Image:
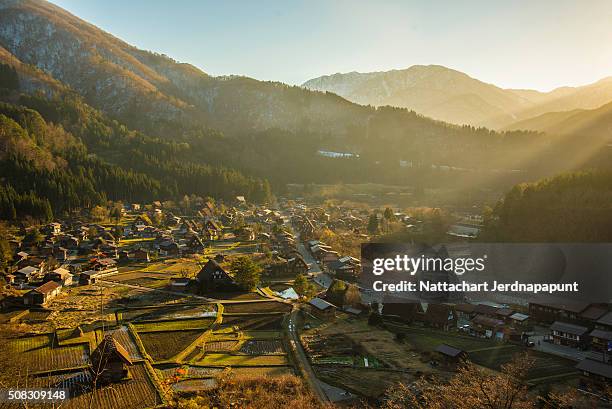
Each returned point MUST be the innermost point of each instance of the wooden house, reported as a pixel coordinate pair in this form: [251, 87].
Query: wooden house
[43, 294]
[141, 255]
[441, 316]
[321, 308]
[60, 275]
[563, 333]
[213, 277]
[595, 375]
[450, 355]
[26, 274]
[110, 362]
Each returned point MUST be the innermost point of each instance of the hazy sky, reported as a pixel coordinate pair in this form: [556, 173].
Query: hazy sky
[538, 44]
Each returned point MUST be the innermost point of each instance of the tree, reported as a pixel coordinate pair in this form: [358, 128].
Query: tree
[116, 214]
[470, 388]
[373, 224]
[99, 213]
[389, 215]
[302, 286]
[34, 236]
[247, 273]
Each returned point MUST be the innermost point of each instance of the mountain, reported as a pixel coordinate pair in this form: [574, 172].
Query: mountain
[188, 132]
[580, 122]
[431, 90]
[455, 97]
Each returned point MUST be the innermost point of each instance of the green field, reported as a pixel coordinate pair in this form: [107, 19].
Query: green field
[242, 360]
[164, 345]
[488, 353]
[173, 325]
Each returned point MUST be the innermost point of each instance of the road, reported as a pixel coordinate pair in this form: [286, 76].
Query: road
[300, 355]
[314, 267]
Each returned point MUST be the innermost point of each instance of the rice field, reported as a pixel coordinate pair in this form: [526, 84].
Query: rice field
[37, 354]
[222, 360]
[174, 325]
[257, 307]
[261, 347]
[163, 345]
[253, 322]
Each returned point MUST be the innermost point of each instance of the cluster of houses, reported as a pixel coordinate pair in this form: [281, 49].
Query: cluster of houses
[577, 324]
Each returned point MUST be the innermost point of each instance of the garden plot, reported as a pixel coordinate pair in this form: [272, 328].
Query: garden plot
[137, 393]
[223, 360]
[257, 307]
[253, 322]
[260, 371]
[239, 296]
[163, 345]
[123, 336]
[351, 379]
[261, 347]
[173, 325]
[546, 367]
[171, 311]
[194, 385]
[38, 355]
[220, 346]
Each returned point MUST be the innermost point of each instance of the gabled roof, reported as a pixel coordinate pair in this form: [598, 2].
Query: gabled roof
[27, 270]
[568, 328]
[321, 304]
[449, 350]
[108, 348]
[598, 333]
[210, 268]
[593, 313]
[485, 309]
[595, 367]
[47, 287]
[487, 321]
[517, 316]
[606, 319]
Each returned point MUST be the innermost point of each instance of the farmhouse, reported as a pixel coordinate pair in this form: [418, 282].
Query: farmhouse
[572, 335]
[60, 275]
[322, 308]
[449, 354]
[213, 276]
[25, 274]
[487, 327]
[110, 362]
[441, 316]
[601, 340]
[605, 322]
[595, 375]
[41, 295]
[545, 312]
[104, 265]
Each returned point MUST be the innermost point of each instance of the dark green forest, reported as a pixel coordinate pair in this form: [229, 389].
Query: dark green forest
[571, 207]
[58, 154]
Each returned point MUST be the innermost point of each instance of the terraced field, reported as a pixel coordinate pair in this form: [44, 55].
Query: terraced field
[168, 312]
[253, 322]
[163, 345]
[37, 354]
[173, 325]
[257, 307]
[260, 346]
[137, 393]
[222, 360]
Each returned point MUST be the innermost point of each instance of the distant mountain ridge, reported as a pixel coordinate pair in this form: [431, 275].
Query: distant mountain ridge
[453, 96]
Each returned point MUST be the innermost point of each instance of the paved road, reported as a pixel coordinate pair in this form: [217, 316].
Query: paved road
[303, 363]
[314, 267]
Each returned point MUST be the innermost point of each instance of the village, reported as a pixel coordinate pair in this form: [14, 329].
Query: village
[136, 304]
